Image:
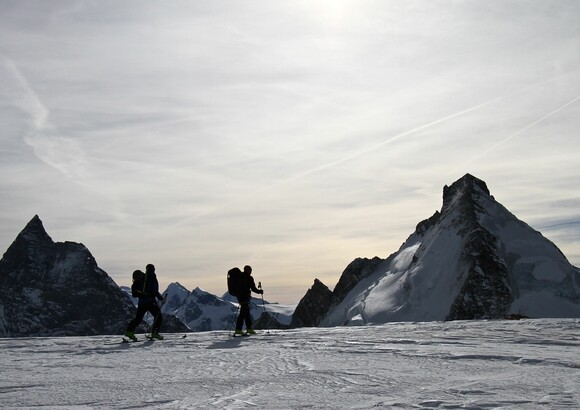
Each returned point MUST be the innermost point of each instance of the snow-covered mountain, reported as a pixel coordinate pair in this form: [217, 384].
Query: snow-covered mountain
[57, 289]
[202, 311]
[472, 260]
[176, 297]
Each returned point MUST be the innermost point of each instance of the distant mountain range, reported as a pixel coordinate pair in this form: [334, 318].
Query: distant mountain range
[471, 260]
[203, 311]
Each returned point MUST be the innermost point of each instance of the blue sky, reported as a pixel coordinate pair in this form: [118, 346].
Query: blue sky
[291, 136]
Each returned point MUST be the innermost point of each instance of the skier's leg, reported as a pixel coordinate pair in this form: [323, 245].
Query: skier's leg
[240, 321]
[247, 316]
[141, 310]
[158, 318]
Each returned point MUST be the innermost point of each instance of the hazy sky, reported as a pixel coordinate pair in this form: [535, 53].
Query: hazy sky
[293, 136]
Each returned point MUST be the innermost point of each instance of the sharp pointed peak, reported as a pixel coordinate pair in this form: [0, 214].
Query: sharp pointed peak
[35, 221]
[34, 230]
[468, 181]
[464, 187]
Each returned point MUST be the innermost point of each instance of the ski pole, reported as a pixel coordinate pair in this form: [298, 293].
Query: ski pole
[263, 303]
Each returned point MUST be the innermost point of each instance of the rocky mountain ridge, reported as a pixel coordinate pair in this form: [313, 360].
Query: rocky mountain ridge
[52, 288]
[57, 289]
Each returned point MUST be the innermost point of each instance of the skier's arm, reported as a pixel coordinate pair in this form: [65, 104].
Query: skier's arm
[155, 290]
[253, 286]
[157, 294]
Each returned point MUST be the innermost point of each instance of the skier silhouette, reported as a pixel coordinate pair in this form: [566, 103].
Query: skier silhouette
[147, 290]
[246, 287]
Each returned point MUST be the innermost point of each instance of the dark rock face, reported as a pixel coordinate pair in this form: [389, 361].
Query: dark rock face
[319, 299]
[423, 226]
[486, 293]
[313, 306]
[171, 324]
[357, 270]
[465, 191]
[268, 321]
[57, 289]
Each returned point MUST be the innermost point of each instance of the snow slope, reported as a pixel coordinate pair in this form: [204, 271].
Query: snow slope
[461, 364]
[538, 267]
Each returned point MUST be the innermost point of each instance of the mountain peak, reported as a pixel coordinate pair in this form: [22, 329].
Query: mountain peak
[466, 188]
[176, 287]
[34, 231]
[29, 242]
[49, 288]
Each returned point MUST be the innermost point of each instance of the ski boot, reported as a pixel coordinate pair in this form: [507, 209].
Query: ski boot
[156, 335]
[131, 335]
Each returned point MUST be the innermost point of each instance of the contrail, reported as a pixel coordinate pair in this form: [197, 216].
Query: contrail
[387, 141]
[394, 138]
[347, 157]
[415, 130]
[519, 132]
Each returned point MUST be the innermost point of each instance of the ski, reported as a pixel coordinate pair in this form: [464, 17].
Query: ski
[149, 339]
[245, 334]
[241, 335]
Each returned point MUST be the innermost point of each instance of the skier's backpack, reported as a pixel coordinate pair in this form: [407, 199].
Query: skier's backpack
[234, 279]
[138, 283]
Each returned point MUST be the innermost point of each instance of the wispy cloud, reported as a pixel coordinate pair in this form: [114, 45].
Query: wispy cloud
[63, 153]
[521, 131]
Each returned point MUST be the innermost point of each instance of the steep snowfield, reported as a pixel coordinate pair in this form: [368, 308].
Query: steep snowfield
[471, 364]
[401, 290]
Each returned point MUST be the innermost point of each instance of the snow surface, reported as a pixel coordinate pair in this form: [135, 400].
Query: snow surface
[462, 364]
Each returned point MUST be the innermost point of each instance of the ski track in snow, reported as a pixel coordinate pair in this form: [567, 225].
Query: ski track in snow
[473, 364]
